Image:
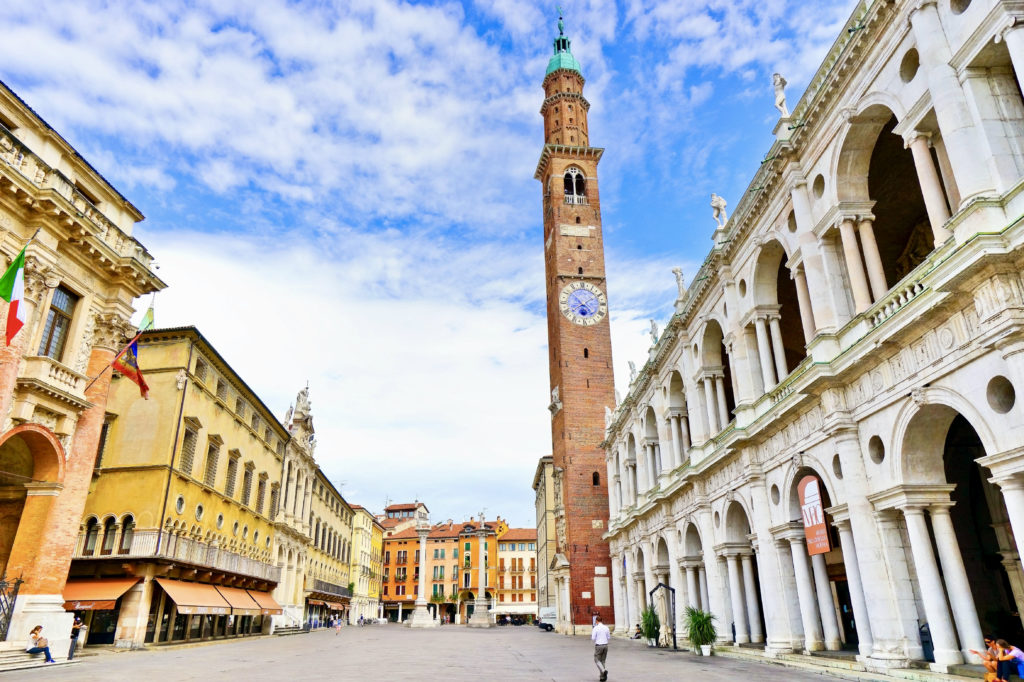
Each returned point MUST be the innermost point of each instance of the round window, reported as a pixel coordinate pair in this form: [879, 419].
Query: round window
[775, 494]
[266, 541]
[819, 186]
[909, 66]
[199, 512]
[959, 6]
[234, 528]
[791, 222]
[220, 521]
[718, 520]
[179, 504]
[1000, 394]
[876, 450]
[245, 532]
[743, 287]
[837, 467]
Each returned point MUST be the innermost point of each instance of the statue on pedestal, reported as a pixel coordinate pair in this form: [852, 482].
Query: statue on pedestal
[654, 333]
[718, 208]
[680, 282]
[780, 94]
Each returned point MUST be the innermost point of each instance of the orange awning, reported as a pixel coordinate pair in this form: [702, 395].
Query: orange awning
[336, 606]
[315, 602]
[241, 603]
[195, 597]
[268, 605]
[95, 594]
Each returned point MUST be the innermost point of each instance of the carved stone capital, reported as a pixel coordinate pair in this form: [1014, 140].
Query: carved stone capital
[111, 331]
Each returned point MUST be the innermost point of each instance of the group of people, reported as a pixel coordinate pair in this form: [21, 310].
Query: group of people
[1001, 660]
[38, 644]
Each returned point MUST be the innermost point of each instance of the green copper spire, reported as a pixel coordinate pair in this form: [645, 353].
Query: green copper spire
[562, 58]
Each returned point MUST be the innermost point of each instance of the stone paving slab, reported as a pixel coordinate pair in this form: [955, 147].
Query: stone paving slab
[393, 653]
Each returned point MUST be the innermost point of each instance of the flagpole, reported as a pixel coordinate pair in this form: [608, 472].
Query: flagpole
[109, 366]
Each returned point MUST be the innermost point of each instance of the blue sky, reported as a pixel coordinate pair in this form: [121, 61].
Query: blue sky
[344, 193]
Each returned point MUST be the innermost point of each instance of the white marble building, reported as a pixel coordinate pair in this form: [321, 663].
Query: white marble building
[860, 318]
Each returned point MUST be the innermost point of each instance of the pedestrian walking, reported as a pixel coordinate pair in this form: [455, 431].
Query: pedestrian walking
[337, 626]
[76, 629]
[600, 636]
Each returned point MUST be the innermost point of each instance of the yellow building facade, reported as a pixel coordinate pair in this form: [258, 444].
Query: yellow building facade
[180, 508]
[328, 584]
[365, 565]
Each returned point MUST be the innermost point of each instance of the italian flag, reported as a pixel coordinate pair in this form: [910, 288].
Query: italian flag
[12, 290]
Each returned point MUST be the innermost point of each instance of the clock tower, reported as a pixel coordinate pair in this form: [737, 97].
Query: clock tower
[579, 341]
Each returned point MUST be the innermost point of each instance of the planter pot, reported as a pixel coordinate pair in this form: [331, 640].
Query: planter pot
[705, 649]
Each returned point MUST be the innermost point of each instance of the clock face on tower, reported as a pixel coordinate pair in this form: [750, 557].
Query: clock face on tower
[583, 303]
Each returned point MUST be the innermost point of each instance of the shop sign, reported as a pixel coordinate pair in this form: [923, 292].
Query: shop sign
[813, 512]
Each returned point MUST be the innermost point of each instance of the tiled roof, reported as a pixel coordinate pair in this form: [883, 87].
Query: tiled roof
[523, 534]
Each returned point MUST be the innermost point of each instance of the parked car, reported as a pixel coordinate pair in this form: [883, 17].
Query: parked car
[547, 617]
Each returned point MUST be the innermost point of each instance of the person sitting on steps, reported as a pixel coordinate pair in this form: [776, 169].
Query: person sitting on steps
[37, 644]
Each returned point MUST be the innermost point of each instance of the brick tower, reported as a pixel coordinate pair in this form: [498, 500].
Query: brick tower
[582, 383]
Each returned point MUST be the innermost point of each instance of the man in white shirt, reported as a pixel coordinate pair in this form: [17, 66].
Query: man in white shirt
[600, 636]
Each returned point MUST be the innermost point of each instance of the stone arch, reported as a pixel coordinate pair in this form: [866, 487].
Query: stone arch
[921, 427]
[795, 472]
[676, 391]
[737, 522]
[775, 294]
[47, 454]
[714, 356]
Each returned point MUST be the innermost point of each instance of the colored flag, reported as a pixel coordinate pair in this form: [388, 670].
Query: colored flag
[127, 363]
[147, 320]
[12, 290]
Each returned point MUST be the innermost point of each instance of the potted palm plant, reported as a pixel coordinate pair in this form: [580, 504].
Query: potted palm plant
[700, 628]
[650, 625]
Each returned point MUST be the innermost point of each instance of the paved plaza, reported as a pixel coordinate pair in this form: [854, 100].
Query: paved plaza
[392, 653]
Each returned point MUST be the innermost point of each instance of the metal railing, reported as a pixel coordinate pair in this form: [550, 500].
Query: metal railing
[147, 544]
[8, 595]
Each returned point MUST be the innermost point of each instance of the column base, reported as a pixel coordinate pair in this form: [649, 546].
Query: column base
[47, 610]
[480, 620]
[421, 618]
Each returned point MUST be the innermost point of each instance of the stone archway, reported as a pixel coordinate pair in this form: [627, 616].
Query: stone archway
[717, 378]
[31, 470]
[744, 586]
[778, 324]
[968, 569]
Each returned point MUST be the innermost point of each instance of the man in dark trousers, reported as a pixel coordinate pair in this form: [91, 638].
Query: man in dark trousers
[601, 636]
[76, 628]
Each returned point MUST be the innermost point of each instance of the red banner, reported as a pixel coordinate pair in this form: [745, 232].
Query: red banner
[813, 511]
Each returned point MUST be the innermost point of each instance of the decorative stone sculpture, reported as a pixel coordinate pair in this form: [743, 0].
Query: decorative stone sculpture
[618, 398]
[780, 94]
[607, 416]
[654, 332]
[718, 207]
[632, 371]
[302, 405]
[680, 281]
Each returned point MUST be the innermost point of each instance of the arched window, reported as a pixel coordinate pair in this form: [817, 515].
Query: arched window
[575, 186]
[597, 478]
[586, 353]
[127, 531]
[109, 531]
[92, 532]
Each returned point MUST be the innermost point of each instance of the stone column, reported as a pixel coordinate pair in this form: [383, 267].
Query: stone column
[640, 588]
[1013, 497]
[723, 409]
[860, 609]
[820, 289]
[931, 185]
[480, 618]
[684, 435]
[826, 607]
[803, 298]
[876, 273]
[710, 403]
[739, 612]
[652, 475]
[750, 591]
[1014, 38]
[854, 266]
[805, 593]
[957, 586]
[616, 495]
[777, 347]
[134, 615]
[692, 590]
[932, 592]
[959, 132]
[421, 617]
[296, 510]
[673, 427]
[764, 353]
[702, 579]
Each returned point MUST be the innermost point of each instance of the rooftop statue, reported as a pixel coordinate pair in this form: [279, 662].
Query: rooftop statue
[780, 94]
[718, 205]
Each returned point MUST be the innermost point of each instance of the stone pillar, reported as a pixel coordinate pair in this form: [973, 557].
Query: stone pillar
[764, 353]
[652, 464]
[821, 291]
[739, 612]
[692, 590]
[723, 410]
[957, 586]
[876, 273]
[854, 266]
[805, 593]
[803, 298]
[778, 350]
[702, 579]
[710, 403]
[932, 591]
[134, 615]
[1014, 38]
[826, 607]
[677, 446]
[750, 591]
[640, 590]
[959, 133]
[480, 618]
[931, 186]
[684, 435]
[860, 609]
[421, 617]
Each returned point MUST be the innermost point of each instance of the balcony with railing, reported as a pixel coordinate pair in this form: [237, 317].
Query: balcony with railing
[46, 375]
[578, 199]
[327, 588]
[152, 544]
